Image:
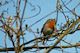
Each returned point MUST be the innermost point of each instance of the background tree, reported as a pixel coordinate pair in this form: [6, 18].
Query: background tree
[22, 20]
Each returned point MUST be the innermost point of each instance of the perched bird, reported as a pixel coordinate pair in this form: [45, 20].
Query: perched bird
[48, 28]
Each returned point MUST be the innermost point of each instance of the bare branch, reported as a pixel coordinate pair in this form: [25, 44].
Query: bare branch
[40, 47]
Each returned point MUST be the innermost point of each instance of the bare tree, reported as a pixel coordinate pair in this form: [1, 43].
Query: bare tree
[14, 27]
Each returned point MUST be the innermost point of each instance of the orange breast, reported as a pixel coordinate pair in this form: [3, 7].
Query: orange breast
[51, 24]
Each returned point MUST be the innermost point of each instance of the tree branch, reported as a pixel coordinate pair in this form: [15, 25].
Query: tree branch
[40, 47]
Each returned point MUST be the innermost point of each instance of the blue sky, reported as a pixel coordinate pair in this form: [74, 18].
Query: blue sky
[47, 6]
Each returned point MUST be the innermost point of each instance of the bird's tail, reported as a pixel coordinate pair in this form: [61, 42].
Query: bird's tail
[43, 40]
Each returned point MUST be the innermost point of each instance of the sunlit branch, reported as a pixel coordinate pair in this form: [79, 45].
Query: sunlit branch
[40, 47]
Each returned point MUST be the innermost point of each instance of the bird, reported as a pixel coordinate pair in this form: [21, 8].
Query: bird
[48, 28]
